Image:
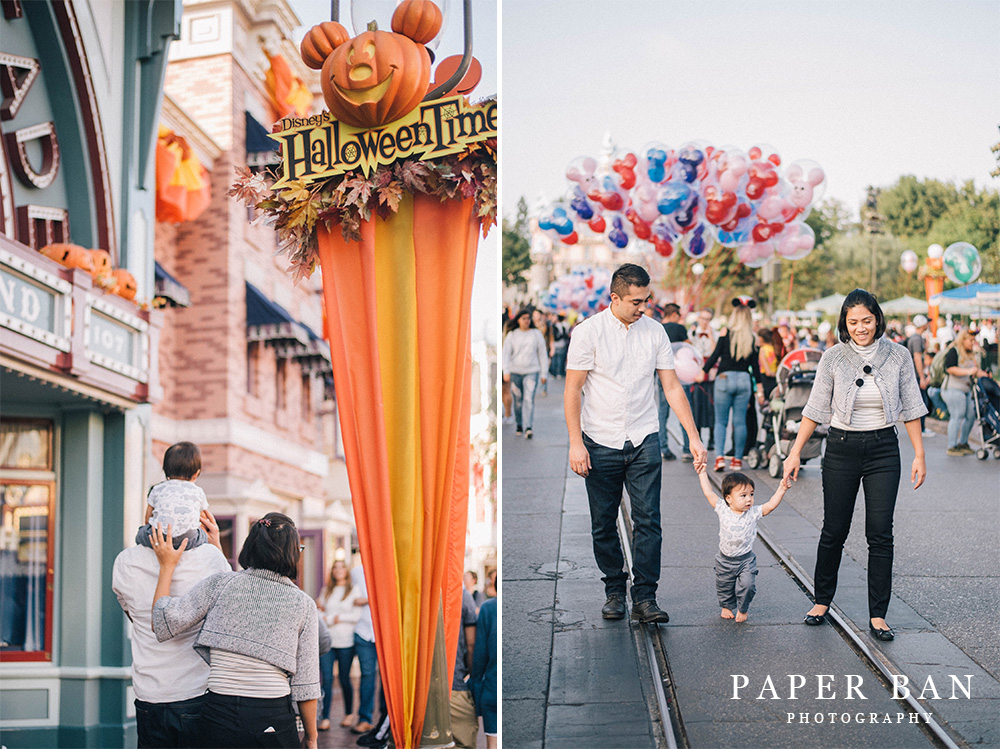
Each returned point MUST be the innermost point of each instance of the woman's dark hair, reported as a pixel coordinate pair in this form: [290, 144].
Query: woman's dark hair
[860, 297]
[512, 323]
[273, 544]
[182, 461]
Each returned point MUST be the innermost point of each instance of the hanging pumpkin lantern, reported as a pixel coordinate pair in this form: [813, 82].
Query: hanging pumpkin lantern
[420, 20]
[101, 264]
[125, 285]
[320, 42]
[375, 78]
[70, 255]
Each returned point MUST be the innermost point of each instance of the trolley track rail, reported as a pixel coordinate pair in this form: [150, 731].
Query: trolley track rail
[670, 717]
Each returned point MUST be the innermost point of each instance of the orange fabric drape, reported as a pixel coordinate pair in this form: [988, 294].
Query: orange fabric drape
[286, 92]
[398, 306]
[183, 185]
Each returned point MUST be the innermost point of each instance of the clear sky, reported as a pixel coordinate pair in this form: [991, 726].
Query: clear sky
[485, 291]
[871, 90]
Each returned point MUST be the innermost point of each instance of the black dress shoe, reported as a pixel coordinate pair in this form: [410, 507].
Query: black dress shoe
[614, 608]
[649, 612]
[814, 619]
[885, 635]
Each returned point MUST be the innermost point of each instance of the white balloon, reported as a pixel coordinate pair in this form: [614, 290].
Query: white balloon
[908, 260]
[935, 251]
[697, 269]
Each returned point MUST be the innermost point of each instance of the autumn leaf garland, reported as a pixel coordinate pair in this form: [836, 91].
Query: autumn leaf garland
[348, 199]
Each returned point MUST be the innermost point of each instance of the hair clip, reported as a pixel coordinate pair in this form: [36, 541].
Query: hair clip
[265, 522]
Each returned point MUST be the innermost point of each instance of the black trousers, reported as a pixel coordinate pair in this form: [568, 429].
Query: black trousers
[167, 724]
[241, 722]
[853, 460]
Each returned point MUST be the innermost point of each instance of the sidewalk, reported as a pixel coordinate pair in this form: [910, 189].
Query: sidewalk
[572, 679]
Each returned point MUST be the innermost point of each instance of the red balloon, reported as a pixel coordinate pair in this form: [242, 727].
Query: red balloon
[719, 209]
[571, 238]
[589, 282]
[626, 169]
[640, 227]
[742, 211]
[662, 246]
[597, 224]
[612, 201]
[764, 231]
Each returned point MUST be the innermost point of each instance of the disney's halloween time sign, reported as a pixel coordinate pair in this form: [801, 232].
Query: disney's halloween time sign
[320, 147]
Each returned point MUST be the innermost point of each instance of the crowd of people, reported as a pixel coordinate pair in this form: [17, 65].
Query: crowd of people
[742, 353]
[224, 658]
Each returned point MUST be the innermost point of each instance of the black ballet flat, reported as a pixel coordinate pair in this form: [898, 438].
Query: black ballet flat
[885, 635]
[814, 619]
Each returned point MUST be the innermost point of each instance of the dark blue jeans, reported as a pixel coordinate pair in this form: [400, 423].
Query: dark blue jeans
[368, 660]
[637, 469]
[167, 724]
[343, 657]
[853, 460]
[239, 722]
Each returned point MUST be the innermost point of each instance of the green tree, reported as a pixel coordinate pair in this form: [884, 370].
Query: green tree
[516, 247]
[911, 207]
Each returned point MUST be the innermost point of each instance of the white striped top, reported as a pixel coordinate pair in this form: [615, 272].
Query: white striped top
[244, 676]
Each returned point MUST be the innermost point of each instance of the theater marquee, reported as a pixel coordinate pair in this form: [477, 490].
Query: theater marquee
[320, 147]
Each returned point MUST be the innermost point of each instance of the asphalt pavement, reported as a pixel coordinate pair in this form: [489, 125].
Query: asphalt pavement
[572, 679]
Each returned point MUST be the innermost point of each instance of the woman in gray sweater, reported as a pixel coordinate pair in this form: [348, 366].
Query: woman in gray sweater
[258, 634]
[863, 386]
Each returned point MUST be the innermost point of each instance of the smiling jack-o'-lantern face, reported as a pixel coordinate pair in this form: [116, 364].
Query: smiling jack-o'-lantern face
[375, 78]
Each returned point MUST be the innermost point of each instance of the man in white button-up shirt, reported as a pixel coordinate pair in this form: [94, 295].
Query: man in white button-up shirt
[611, 414]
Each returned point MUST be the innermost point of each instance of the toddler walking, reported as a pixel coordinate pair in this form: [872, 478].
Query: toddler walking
[736, 563]
[178, 501]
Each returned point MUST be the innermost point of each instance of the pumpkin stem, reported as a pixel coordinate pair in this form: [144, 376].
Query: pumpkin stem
[373, 25]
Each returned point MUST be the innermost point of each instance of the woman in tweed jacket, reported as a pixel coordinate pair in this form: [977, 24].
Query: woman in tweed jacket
[863, 386]
[259, 634]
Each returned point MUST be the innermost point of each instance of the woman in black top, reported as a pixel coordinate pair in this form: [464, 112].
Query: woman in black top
[736, 355]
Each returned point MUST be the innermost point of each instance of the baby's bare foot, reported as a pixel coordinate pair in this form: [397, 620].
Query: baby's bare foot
[741, 616]
[726, 614]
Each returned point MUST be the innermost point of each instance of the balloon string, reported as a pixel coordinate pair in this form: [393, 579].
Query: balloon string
[791, 280]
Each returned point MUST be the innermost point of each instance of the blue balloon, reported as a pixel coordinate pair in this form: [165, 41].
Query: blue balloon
[685, 214]
[581, 205]
[617, 234]
[655, 159]
[696, 248]
[690, 159]
[672, 196]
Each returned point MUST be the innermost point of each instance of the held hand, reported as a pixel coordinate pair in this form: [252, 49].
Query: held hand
[579, 460]
[700, 377]
[699, 453]
[791, 468]
[506, 378]
[163, 547]
[918, 472]
[211, 528]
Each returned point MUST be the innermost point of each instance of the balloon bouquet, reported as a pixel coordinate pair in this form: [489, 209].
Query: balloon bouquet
[584, 289]
[692, 197]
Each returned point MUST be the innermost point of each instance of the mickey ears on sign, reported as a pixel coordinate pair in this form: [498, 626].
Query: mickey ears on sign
[745, 301]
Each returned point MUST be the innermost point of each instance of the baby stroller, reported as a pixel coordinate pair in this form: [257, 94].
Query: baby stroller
[782, 415]
[986, 394]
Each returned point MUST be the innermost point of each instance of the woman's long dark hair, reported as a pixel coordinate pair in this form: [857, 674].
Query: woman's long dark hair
[512, 323]
[273, 544]
[862, 298]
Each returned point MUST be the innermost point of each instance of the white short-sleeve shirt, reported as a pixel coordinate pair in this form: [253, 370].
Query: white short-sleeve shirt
[619, 402]
[737, 530]
[177, 503]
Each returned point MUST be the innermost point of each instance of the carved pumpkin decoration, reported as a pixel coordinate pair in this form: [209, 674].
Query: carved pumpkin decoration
[125, 285]
[320, 42]
[375, 78]
[70, 255]
[101, 260]
[420, 20]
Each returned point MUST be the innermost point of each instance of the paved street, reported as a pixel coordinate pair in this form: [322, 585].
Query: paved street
[572, 679]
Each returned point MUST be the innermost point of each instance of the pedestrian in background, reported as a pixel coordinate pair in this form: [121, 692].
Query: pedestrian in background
[464, 723]
[525, 361]
[364, 646]
[483, 676]
[961, 364]
[863, 386]
[340, 615]
[676, 333]
[260, 638]
[736, 356]
[916, 345]
[701, 394]
[559, 345]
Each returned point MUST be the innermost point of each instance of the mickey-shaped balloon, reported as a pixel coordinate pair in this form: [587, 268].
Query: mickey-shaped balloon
[378, 76]
[625, 168]
[803, 184]
[689, 160]
[580, 204]
[617, 234]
